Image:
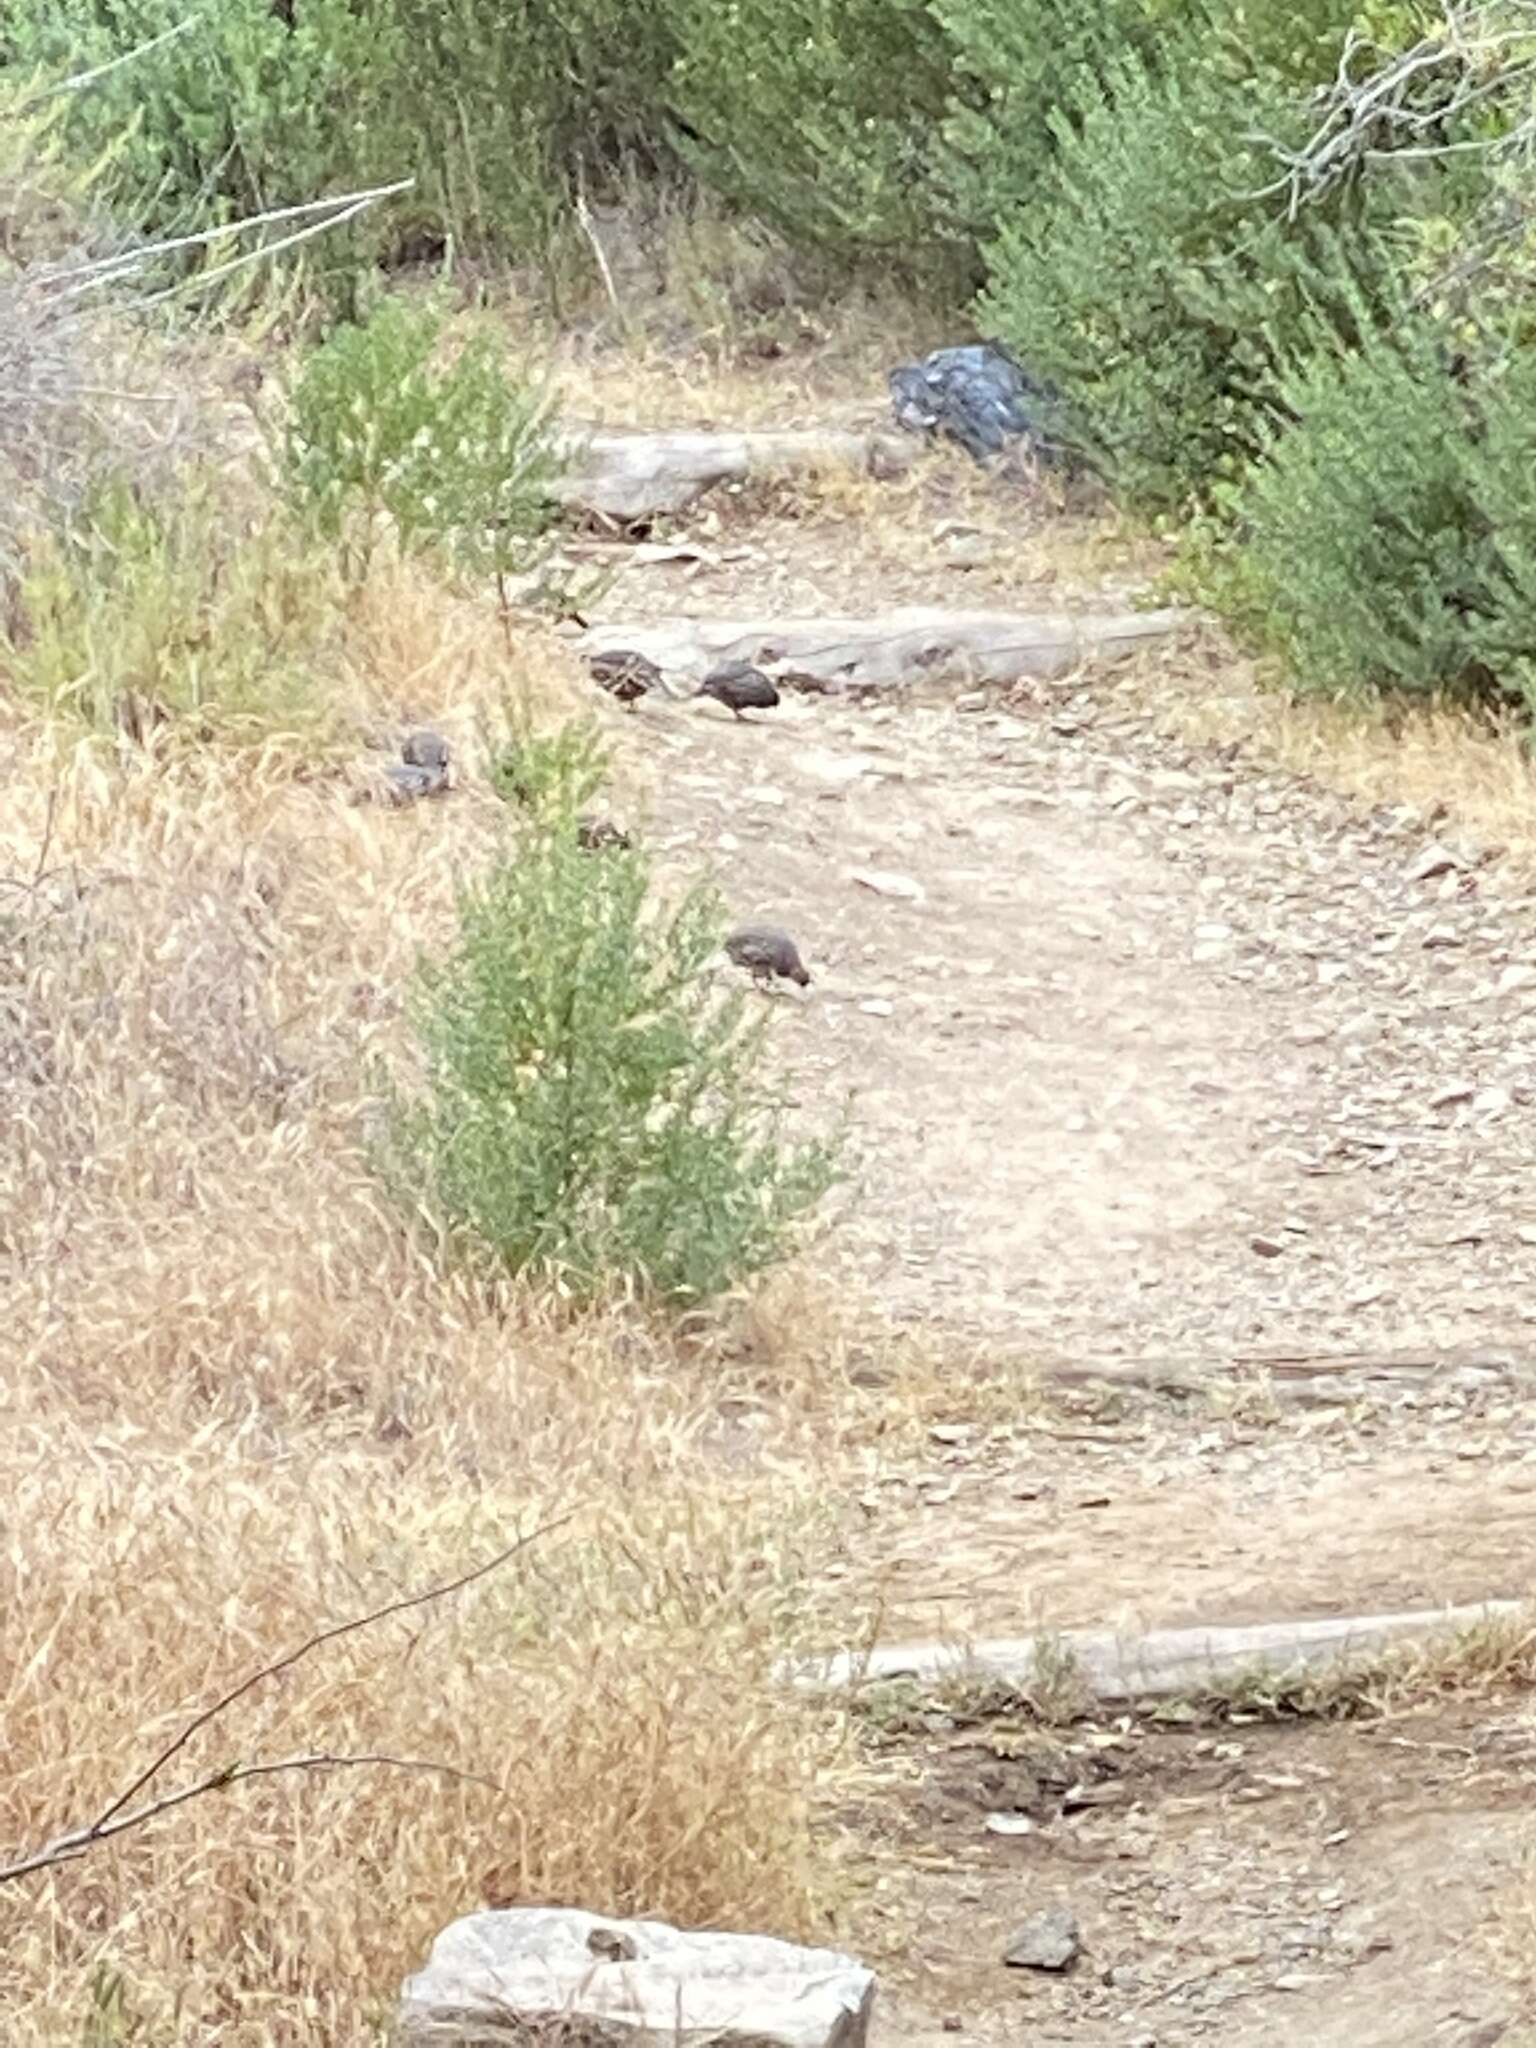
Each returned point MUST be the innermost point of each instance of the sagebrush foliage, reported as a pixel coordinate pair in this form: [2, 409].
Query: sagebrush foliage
[385, 435]
[822, 117]
[593, 1110]
[1388, 540]
[1154, 289]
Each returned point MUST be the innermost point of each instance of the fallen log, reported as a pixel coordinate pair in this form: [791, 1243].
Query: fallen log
[922, 643]
[627, 475]
[1306, 1379]
[1117, 1668]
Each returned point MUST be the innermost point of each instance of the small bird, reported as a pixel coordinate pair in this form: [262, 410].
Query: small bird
[601, 835]
[767, 951]
[740, 687]
[422, 769]
[625, 674]
[612, 1945]
[425, 749]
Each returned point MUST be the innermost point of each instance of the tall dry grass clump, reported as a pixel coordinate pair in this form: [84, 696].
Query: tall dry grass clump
[239, 1403]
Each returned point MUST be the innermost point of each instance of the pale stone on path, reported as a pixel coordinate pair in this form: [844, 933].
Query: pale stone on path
[550, 1973]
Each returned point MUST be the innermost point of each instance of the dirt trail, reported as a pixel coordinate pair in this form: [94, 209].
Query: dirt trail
[1156, 1053]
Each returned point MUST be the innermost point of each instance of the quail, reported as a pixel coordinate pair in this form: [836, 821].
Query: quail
[425, 749]
[612, 1945]
[601, 835]
[767, 951]
[422, 769]
[625, 674]
[740, 687]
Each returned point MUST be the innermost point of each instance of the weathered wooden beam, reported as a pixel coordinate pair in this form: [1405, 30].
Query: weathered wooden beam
[919, 644]
[1117, 1667]
[630, 475]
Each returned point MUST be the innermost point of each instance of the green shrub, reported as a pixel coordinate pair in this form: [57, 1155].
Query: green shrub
[1014, 66]
[593, 1111]
[1153, 289]
[455, 456]
[820, 117]
[180, 610]
[545, 774]
[1388, 540]
[495, 111]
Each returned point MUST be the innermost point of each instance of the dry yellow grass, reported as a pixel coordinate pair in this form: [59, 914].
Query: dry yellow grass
[240, 1403]
[1447, 762]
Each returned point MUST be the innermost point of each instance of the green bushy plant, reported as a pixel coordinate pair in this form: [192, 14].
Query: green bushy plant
[593, 1111]
[820, 117]
[1388, 541]
[454, 455]
[1153, 289]
[548, 774]
[1014, 65]
[496, 112]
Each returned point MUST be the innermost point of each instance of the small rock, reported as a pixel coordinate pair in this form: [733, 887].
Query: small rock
[971, 700]
[1266, 1247]
[883, 883]
[1434, 860]
[1048, 1940]
[1450, 1096]
[1516, 977]
[1008, 1824]
[952, 2023]
[877, 1006]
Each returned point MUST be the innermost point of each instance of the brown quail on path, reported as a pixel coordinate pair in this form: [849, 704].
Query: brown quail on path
[625, 674]
[767, 951]
[739, 687]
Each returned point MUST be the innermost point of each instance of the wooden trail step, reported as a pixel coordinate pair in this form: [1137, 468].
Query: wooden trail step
[922, 643]
[1120, 1667]
[1295, 1378]
[629, 475]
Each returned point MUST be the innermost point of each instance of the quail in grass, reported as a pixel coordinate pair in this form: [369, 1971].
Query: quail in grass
[625, 674]
[601, 835]
[422, 769]
[767, 952]
[740, 687]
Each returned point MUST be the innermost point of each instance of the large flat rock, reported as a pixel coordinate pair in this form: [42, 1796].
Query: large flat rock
[545, 1973]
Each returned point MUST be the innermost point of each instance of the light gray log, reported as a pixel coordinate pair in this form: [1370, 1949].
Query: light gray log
[907, 646]
[1119, 1667]
[628, 475]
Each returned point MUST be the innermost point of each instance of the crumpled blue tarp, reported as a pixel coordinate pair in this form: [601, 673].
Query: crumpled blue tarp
[976, 394]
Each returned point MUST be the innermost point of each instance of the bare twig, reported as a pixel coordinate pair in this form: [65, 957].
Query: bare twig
[584, 220]
[326, 1635]
[80, 80]
[120, 1814]
[70, 1847]
[340, 206]
[1482, 52]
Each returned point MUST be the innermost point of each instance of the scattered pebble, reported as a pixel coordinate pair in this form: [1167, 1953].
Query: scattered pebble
[1048, 1940]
